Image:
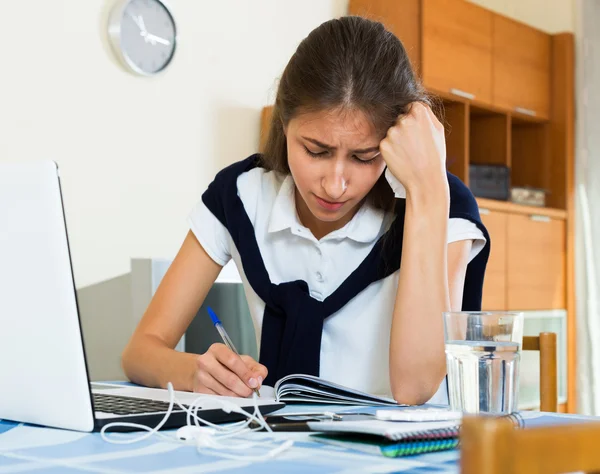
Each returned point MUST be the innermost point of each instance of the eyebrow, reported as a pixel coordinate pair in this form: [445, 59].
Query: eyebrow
[329, 147]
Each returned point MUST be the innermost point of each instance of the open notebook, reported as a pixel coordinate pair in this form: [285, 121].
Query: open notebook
[299, 388]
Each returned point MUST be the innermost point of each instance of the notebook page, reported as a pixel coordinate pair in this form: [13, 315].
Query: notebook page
[332, 390]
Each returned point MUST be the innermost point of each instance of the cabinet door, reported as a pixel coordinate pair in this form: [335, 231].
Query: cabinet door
[521, 67]
[494, 284]
[457, 48]
[536, 262]
[265, 124]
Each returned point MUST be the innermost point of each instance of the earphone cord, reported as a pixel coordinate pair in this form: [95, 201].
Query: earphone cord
[205, 440]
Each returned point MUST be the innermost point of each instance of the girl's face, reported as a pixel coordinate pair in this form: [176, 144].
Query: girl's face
[334, 160]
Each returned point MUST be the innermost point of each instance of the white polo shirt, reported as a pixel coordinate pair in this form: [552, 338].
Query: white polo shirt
[356, 340]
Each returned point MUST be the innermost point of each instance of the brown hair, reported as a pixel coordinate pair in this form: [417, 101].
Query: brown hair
[345, 63]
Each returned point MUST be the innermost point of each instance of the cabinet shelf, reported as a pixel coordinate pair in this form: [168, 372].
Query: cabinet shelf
[514, 208]
[487, 107]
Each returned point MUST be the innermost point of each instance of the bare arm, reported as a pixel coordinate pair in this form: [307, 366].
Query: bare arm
[431, 281]
[150, 359]
[432, 272]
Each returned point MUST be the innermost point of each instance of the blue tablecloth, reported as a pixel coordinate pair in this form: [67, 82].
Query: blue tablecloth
[25, 448]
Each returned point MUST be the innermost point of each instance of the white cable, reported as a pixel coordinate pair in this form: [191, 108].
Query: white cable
[209, 436]
[150, 431]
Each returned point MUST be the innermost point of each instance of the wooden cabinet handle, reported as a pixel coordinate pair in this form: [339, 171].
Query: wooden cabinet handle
[538, 218]
[466, 95]
[523, 110]
[483, 211]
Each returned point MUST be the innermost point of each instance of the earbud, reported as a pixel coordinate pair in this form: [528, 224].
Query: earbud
[205, 441]
[191, 432]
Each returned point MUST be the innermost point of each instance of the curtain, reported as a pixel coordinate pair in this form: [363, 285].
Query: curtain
[587, 202]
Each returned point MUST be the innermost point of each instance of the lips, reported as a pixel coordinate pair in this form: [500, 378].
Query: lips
[328, 205]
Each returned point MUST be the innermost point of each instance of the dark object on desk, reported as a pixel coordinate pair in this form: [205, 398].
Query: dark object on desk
[490, 181]
[528, 196]
[300, 422]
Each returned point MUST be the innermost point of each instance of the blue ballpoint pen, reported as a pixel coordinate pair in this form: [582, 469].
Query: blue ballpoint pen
[219, 327]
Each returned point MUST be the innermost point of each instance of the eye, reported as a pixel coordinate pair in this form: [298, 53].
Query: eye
[365, 161]
[314, 153]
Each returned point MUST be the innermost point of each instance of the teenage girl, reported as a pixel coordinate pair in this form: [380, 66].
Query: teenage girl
[349, 235]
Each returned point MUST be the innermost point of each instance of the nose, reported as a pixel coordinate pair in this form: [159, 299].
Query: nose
[334, 181]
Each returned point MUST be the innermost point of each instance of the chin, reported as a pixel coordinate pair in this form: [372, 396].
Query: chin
[325, 216]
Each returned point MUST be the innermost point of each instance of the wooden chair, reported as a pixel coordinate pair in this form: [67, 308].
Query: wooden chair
[546, 344]
[495, 446]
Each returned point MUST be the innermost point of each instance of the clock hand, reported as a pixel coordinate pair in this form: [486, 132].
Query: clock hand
[141, 18]
[156, 39]
[138, 21]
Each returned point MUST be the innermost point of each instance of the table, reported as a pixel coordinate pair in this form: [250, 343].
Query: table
[25, 448]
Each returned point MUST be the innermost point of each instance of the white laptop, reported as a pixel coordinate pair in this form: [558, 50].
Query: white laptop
[43, 370]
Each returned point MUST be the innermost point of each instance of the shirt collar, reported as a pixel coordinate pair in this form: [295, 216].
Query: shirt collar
[283, 214]
[364, 227]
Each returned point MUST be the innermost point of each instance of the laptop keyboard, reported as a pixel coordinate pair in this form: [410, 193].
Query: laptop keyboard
[128, 405]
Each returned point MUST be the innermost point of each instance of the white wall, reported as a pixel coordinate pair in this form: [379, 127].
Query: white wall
[136, 153]
[552, 16]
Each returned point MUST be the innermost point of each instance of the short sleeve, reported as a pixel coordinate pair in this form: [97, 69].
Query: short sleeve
[397, 186]
[212, 235]
[463, 229]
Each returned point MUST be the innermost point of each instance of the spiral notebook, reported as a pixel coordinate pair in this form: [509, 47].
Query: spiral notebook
[389, 438]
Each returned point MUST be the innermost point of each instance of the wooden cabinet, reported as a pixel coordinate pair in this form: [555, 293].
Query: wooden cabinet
[536, 263]
[456, 54]
[463, 50]
[527, 265]
[265, 124]
[521, 67]
[494, 285]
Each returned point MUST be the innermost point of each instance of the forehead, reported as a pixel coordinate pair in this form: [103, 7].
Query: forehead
[332, 127]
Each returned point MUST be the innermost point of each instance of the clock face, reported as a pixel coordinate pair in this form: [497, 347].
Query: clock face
[147, 36]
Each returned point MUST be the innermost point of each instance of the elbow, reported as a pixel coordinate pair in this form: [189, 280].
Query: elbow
[416, 388]
[131, 358]
[126, 360]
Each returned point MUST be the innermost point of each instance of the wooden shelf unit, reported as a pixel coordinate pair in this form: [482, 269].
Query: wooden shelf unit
[508, 95]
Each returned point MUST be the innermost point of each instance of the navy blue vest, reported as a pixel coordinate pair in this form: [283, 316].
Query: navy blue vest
[293, 320]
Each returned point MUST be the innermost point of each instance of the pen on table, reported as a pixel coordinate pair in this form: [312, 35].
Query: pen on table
[219, 327]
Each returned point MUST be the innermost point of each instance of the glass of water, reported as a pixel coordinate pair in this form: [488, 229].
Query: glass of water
[483, 351]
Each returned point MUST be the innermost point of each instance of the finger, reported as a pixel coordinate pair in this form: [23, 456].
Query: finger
[259, 370]
[209, 364]
[230, 380]
[432, 116]
[199, 386]
[234, 363]
[232, 372]
[210, 384]
[437, 124]
[385, 147]
[413, 112]
[417, 108]
[205, 391]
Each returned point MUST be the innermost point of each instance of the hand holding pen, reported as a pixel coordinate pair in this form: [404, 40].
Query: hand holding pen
[222, 371]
